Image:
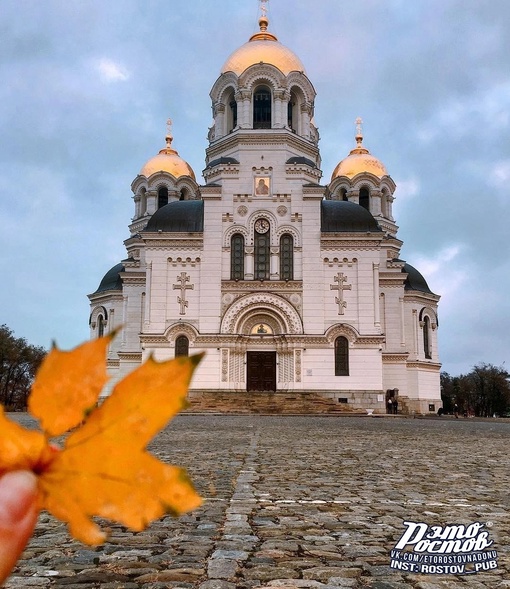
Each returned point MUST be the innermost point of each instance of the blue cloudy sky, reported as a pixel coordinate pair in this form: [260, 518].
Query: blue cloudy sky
[87, 86]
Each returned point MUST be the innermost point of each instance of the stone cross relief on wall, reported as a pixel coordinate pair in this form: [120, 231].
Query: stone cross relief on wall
[340, 279]
[183, 279]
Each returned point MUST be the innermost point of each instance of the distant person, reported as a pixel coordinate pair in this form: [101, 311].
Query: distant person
[456, 411]
[395, 406]
[389, 406]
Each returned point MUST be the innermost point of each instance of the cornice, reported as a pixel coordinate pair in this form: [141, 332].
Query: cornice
[420, 298]
[423, 365]
[105, 296]
[139, 224]
[241, 138]
[394, 358]
[130, 356]
[349, 243]
[135, 281]
[290, 341]
[386, 283]
[177, 242]
[180, 236]
[248, 286]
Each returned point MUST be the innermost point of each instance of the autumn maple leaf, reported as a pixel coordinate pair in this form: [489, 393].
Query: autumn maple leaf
[103, 468]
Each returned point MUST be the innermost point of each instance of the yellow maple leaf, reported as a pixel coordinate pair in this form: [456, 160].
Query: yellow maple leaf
[103, 468]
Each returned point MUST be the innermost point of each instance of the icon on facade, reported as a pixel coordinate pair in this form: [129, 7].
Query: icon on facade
[261, 329]
[262, 185]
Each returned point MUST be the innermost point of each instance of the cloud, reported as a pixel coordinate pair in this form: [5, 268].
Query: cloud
[407, 189]
[500, 174]
[488, 109]
[110, 71]
[444, 272]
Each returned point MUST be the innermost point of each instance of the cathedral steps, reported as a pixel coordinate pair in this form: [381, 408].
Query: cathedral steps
[278, 403]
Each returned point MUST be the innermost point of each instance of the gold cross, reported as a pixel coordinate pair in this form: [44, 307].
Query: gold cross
[359, 123]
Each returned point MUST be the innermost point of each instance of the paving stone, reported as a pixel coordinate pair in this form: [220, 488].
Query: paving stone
[222, 569]
[298, 583]
[296, 502]
[230, 554]
[15, 582]
[217, 584]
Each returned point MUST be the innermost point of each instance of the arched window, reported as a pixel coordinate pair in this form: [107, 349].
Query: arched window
[286, 257]
[262, 108]
[364, 198]
[290, 116]
[384, 204]
[262, 254]
[143, 203]
[341, 356]
[426, 337]
[232, 115]
[181, 346]
[162, 196]
[343, 194]
[100, 326]
[237, 257]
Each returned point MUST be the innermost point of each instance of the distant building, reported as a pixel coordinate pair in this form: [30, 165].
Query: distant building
[290, 286]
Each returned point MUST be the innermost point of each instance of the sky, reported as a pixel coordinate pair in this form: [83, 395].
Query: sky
[87, 86]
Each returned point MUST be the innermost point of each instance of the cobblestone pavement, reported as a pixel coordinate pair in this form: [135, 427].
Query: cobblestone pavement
[298, 502]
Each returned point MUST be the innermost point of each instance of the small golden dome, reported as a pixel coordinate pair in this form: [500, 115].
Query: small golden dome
[167, 160]
[359, 160]
[263, 47]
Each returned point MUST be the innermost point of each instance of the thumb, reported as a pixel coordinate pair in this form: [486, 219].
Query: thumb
[18, 514]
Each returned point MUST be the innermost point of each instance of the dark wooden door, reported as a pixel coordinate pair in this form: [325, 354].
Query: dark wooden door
[261, 371]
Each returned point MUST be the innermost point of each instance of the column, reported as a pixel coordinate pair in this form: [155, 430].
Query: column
[219, 119]
[248, 272]
[375, 197]
[148, 282]
[377, 309]
[274, 263]
[305, 120]
[278, 118]
[402, 322]
[243, 115]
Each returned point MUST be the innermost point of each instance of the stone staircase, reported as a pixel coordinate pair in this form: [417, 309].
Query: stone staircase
[278, 403]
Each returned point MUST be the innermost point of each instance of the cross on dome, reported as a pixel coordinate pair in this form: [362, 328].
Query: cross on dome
[263, 20]
[359, 131]
[263, 8]
[169, 136]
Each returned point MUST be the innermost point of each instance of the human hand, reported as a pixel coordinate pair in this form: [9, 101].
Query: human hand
[18, 514]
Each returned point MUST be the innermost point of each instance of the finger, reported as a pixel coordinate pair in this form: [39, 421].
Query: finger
[18, 514]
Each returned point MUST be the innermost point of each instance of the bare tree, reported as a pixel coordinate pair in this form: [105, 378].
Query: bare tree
[18, 364]
[485, 391]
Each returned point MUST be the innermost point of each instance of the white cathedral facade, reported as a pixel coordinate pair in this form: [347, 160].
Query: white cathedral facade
[290, 286]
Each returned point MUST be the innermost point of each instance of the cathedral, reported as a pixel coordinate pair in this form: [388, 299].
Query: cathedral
[293, 288]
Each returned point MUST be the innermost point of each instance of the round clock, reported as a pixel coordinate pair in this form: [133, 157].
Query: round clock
[262, 226]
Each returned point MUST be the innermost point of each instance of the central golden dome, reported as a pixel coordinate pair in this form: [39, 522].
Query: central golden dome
[263, 47]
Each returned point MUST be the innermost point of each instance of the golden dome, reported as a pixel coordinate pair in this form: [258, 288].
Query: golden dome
[167, 160]
[263, 47]
[358, 161]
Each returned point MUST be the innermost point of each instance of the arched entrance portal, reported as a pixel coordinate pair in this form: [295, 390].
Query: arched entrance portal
[265, 360]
